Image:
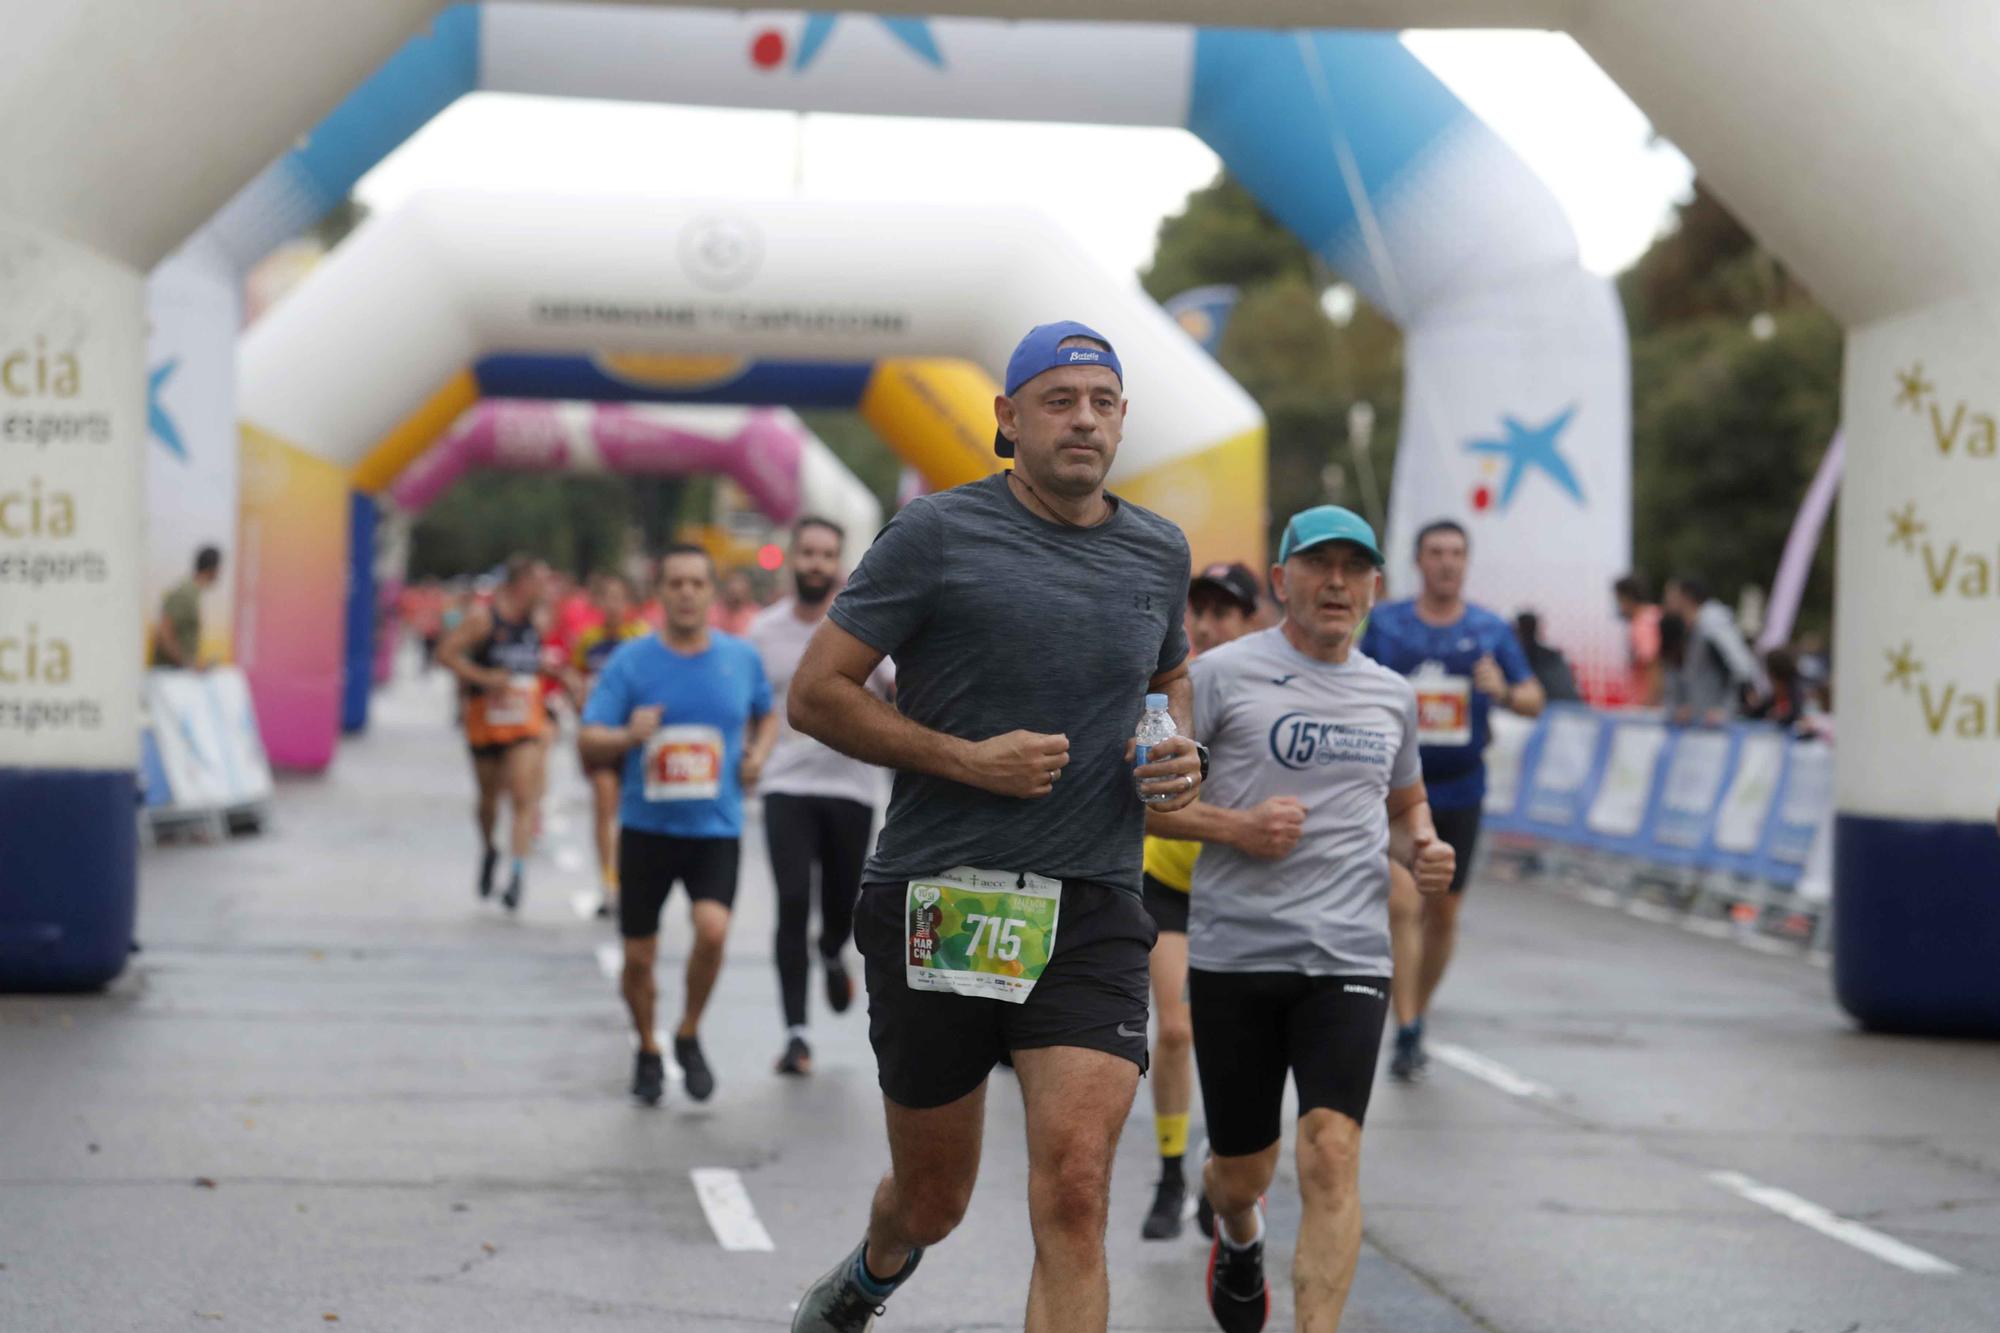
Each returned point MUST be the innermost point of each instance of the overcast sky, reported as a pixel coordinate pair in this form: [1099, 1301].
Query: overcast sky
[1539, 91]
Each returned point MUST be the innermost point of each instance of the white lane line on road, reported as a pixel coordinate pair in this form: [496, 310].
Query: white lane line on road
[731, 1215]
[1809, 1214]
[584, 904]
[610, 961]
[1491, 1071]
[569, 860]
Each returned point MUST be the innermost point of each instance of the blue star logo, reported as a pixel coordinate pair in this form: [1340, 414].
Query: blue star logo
[1527, 447]
[157, 421]
[913, 33]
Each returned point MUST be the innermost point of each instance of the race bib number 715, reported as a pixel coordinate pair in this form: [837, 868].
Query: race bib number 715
[985, 933]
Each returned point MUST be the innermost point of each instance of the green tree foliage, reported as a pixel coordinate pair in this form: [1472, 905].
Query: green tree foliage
[576, 523]
[1727, 427]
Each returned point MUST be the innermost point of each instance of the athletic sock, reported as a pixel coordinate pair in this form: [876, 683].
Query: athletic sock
[875, 1288]
[1222, 1233]
[796, 1030]
[520, 864]
[1172, 1132]
[1170, 1169]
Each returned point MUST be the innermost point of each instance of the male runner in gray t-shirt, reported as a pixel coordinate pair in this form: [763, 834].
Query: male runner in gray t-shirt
[1289, 958]
[1028, 615]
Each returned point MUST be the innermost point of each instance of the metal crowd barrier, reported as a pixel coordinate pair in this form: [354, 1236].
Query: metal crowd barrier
[1728, 828]
[202, 763]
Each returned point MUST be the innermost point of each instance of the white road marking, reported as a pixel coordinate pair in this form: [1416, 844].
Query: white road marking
[1491, 1071]
[569, 860]
[584, 903]
[1809, 1214]
[610, 961]
[731, 1215]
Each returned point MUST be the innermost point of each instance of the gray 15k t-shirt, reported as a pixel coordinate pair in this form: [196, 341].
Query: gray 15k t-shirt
[998, 621]
[1339, 738]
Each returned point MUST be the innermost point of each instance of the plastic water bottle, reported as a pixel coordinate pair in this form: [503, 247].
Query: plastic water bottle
[1156, 726]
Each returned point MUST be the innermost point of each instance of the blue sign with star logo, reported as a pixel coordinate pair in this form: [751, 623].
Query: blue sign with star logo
[1530, 448]
[913, 33]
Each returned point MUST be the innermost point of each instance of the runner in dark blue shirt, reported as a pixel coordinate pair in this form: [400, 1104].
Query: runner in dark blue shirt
[1463, 659]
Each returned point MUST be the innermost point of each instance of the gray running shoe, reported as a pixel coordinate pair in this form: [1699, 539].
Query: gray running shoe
[836, 1303]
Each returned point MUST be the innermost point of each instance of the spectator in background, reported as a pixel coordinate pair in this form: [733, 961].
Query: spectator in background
[1718, 675]
[1642, 638]
[1551, 668]
[737, 604]
[177, 633]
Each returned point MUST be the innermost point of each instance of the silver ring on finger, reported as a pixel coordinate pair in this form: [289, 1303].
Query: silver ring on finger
[1187, 780]
[1052, 775]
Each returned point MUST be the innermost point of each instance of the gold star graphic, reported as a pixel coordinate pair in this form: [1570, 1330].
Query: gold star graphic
[1903, 666]
[1912, 387]
[1905, 527]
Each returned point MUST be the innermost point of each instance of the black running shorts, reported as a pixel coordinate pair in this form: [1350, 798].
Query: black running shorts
[933, 1047]
[1167, 906]
[1459, 828]
[648, 865]
[1251, 1028]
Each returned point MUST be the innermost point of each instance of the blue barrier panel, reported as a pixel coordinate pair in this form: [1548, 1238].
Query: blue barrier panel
[1745, 806]
[1805, 799]
[1696, 771]
[1569, 761]
[1620, 815]
[358, 671]
[154, 789]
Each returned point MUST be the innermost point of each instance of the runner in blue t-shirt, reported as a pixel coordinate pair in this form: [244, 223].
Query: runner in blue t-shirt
[686, 715]
[1463, 659]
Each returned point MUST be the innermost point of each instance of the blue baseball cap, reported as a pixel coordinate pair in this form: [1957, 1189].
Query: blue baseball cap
[1042, 351]
[1327, 523]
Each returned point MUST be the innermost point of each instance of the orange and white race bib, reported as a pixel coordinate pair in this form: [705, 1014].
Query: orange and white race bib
[684, 763]
[514, 706]
[1444, 706]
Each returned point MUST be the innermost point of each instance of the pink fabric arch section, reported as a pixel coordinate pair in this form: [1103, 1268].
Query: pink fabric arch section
[761, 449]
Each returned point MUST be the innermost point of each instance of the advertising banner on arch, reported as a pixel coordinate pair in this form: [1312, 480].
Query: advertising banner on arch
[70, 423]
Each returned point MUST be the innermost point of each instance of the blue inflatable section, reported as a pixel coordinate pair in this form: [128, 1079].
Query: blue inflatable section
[1913, 906]
[69, 852]
[809, 384]
[1261, 101]
[358, 671]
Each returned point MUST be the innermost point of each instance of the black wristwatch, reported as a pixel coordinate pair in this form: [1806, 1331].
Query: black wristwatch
[1202, 752]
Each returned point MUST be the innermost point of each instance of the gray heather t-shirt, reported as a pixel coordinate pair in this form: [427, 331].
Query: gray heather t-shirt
[1339, 739]
[999, 620]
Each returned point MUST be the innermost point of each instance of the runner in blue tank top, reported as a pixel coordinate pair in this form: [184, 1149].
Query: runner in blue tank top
[1463, 659]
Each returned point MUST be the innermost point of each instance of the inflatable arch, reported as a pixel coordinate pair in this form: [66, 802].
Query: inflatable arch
[1517, 420]
[339, 379]
[1907, 263]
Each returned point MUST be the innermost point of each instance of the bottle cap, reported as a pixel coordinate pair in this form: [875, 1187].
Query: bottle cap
[1156, 703]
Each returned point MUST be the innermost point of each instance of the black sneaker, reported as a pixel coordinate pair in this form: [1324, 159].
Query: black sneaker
[839, 986]
[511, 899]
[1164, 1221]
[797, 1059]
[1238, 1296]
[649, 1078]
[836, 1303]
[487, 865]
[1404, 1064]
[694, 1069]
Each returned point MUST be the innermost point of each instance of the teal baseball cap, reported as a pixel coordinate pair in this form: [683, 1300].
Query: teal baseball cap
[1327, 523]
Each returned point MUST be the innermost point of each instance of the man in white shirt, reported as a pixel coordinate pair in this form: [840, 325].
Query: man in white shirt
[819, 805]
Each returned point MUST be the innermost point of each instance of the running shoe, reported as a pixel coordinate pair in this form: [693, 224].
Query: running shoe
[649, 1078]
[487, 865]
[694, 1068]
[1164, 1221]
[797, 1059]
[511, 899]
[1406, 1063]
[839, 986]
[1238, 1296]
[837, 1304]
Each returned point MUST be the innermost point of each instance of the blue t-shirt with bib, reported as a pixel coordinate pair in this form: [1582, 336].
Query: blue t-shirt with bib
[1454, 774]
[683, 782]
